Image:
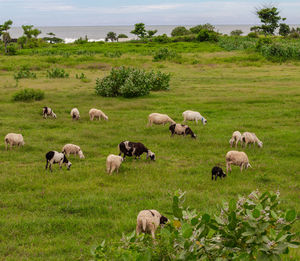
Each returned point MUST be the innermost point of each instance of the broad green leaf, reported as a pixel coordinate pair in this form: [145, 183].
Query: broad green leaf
[187, 230]
[290, 215]
[194, 221]
[232, 205]
[256, 213]
[273, 234]
[205, 218]
[273, 214]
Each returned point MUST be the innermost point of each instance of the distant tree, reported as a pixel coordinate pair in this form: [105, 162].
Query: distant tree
[5, 34]
[196, 29]
[236, 32]
[256, 29]
[122, 36]
[22, 41]
[52, 38]
[150, 33]
[269, 16]
[112, 36]
[179, 31]
[284, 29]
[139, 30]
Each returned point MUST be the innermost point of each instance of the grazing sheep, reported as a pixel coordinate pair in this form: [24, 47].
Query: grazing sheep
[75, 114]
[217, 172]
[113, 162]
[53, 157]
[236, 137]
[94, 113]
[148, 221]
[181, 129]
[13, 139]
[193, 116]
[158, 118]
[250, 138]
[238, 158]
[72, 149]
[136, 149]
[47, 111]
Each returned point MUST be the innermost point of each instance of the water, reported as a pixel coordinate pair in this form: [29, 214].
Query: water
[98, 33]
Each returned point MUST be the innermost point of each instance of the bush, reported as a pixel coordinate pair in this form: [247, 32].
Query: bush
[57, 73]
[122, 36]
[180, 30]
[196, 29]
[28, 95]
[24, 73]
[11, 49]
[164, 54]
[236, 33]
[184, 38]
[161, 39]
[251, 228]
[206, 35]
[116, 54]
[131, 82]
[281, 52]
[230, 43]
[263, 41]
[253, 35]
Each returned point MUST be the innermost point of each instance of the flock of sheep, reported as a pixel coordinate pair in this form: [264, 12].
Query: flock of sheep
[148, 220]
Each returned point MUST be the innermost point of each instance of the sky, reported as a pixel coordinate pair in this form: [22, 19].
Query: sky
[150, 12]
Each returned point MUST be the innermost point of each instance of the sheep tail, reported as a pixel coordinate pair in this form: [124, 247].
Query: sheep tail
[144, 223]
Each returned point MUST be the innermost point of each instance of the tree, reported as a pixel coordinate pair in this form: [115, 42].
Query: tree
[196, 29]
[284, 29]
[179, 31]
[236, 32]
[150, 33]
[256, 29]
[52, 38]
[5, 34]
[122, 36]
[269, 16]
[22, 41]
[112, 36]
[139, 30]
[29, 31]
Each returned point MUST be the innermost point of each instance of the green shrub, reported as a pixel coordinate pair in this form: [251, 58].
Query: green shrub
[206, 35]
[251, 228]
[236, 32]
[161, 39]
[253, 35]
[28, 95]
[57, 73]
[131, 82]
[230, 43]
[184, 38]
[281, 52]
[164, 54]
[11, 49]
[180, 30]
[24, 72]
[263, 41]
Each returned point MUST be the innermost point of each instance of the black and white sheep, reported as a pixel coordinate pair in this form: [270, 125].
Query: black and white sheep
[136, 149]
[181, 129]
[47, 111]
[217, 172]
[53, 157]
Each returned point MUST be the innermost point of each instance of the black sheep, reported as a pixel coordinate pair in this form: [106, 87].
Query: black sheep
[217, 172]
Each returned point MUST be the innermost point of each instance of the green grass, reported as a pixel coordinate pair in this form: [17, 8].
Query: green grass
[62, 215]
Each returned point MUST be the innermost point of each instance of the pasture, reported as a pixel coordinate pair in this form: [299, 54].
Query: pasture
[63, 214]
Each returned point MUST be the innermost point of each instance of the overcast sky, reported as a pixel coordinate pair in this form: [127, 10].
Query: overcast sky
[150, 12]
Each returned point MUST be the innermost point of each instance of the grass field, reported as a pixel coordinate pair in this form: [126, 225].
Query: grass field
[63, 214]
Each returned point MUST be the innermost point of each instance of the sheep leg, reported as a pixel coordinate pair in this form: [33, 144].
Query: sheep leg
[46, 164]
[216, 177]
[152, 233]
[6, 145]
[108, 168]
[50, 166]
[212, 176]
[112, 169]
[241, 167]
[196, 121]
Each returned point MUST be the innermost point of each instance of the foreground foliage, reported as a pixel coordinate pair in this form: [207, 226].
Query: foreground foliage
[247, 229]
[131, 82]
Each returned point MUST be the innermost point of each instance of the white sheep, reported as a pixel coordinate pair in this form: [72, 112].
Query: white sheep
[75, 114]
[238, 158]
[72, 149]
[158, 118]
[193, 116]
[13, 139]
[94, 113]
[47, 111]
[236, 138]
[113, 162]
[250, 138]
[148, 221]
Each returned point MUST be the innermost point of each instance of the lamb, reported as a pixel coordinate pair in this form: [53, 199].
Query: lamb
[136, 149]
[75, 114]
[238, 158]
[217, 172]
[236, 137]
[158, 118]
[181, 129]
[94, 113]
[250, 138]
[13, 139]
[72, 149]
[193, 116]
[148, 221]
[47, 111]
[53, 157]
[113, 162]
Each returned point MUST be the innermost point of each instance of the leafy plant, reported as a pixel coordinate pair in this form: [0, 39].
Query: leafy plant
[164, 54]
[248, 229]
[116, 54]
[28, 95]
[57, 73]
[179, 31]
[131, 82]
[196, 29]
[206, 35]
[24, 72]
